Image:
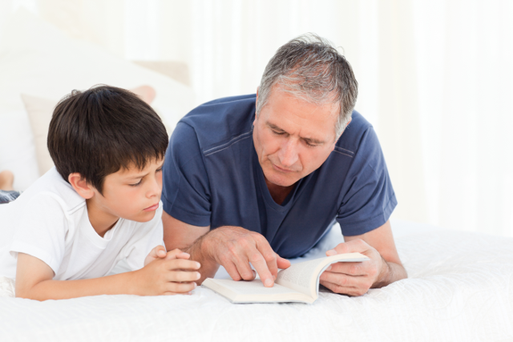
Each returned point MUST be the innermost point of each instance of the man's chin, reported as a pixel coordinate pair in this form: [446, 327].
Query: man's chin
[284, 182]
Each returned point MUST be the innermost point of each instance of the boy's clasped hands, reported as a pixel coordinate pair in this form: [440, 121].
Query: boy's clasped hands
[167, 273]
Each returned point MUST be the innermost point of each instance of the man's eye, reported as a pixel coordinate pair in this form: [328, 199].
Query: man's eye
[278, 132]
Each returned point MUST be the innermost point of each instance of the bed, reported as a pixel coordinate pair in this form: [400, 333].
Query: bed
[460, 285]
[460, 288]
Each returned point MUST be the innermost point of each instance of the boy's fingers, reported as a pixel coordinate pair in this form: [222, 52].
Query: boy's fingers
[157, 252]
[185, 277]
[177, 254]
[183, 264]
[180, 288]
[183, 255]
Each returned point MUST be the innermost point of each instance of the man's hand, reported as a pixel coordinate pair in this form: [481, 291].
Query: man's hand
[383, 268]
[354, 278]
[235, 248]
[169, 274]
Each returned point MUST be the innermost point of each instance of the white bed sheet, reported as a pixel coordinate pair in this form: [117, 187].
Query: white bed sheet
[460, 288]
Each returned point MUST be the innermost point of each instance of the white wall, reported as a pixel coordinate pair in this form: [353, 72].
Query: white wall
[436, 79]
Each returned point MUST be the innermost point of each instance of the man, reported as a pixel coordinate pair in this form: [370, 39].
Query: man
[251, 180]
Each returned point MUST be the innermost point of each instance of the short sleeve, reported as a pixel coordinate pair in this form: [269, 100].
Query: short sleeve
[186, 191]
[368, 197]
[147, 236]
[41, 233]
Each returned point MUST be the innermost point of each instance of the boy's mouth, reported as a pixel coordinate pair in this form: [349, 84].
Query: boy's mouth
[151, 208]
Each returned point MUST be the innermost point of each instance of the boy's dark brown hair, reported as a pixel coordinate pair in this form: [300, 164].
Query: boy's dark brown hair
[101, 130]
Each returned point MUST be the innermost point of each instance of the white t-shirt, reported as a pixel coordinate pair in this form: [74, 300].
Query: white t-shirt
[50, 222]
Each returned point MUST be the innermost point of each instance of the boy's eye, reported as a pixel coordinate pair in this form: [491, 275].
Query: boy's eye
[136, 184]
[159, 170]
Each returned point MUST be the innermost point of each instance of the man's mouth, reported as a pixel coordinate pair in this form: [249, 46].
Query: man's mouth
[281, 169]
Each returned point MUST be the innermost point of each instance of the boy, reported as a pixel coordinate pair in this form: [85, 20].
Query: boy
[100, 204]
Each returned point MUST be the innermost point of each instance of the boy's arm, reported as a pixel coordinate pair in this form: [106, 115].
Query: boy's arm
[162, 276]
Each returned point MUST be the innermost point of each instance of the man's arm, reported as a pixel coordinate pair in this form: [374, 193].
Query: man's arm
[383, 268]
[168, 275]
[232, 247]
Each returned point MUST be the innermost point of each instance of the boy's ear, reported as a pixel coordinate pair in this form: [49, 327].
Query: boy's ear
[80, 185]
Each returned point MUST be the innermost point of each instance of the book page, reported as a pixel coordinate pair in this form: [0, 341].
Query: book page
[299, 276]
[304, 276]
[298, 283]
[254, 291]
[252, 287]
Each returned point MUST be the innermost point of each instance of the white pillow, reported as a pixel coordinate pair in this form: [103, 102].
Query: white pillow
[40, 113]
[17, 152]
[36, 58]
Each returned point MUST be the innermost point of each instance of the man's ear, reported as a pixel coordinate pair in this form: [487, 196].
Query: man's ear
[347, 124]
[258, 88]
[79, 183]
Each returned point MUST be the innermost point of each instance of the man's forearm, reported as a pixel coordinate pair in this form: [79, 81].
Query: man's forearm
[390, 273]
[198, 253]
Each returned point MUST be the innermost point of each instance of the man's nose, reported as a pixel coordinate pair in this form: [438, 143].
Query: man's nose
[288, 153]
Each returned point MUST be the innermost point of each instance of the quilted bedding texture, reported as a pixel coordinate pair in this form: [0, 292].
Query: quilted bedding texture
[460, 288]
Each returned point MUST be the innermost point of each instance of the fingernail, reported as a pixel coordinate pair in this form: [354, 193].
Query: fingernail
[331, 252]
[268, 283]
[198, 275]
[329, 268]
[198, 265]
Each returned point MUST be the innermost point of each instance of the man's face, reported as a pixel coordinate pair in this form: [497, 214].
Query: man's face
[131, 193]
[293, 137]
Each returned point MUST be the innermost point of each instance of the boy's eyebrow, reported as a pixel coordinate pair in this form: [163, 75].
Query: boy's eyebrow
[141, 175]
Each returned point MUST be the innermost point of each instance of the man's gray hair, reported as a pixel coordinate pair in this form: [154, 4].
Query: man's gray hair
[311, 69]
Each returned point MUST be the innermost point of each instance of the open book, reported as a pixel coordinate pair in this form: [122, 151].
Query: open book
[298, 283]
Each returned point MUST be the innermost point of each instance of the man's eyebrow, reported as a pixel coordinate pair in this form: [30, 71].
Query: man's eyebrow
[312, 141]
[273, 126]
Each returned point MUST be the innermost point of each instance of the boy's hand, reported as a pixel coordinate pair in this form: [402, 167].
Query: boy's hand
[171, 274]
[156, 253]
[159, 252]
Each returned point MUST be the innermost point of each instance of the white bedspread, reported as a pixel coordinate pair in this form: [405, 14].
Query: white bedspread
[460, 288]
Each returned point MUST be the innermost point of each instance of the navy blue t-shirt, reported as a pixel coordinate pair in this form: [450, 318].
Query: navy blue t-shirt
[212, 177]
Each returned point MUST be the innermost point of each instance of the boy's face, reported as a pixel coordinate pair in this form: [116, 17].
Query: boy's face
[132, 194]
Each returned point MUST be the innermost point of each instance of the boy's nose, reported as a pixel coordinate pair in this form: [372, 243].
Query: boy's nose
[155, 187]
